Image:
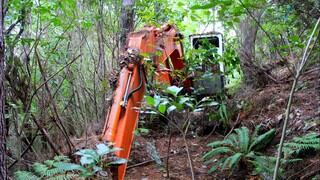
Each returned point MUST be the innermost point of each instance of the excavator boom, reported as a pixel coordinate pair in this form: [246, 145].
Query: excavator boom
[164, 47]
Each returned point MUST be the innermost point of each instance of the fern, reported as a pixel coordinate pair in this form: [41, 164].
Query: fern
[60, 168]
[307, 142]
[50, 169]
[237, 147]
[25, 175]
[264, 165]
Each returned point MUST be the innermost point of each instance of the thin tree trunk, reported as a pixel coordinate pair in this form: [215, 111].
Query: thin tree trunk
[126, 21]
[3, 129]
[101, 64]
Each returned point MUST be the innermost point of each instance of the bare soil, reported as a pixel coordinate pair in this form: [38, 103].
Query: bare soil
[263, 107]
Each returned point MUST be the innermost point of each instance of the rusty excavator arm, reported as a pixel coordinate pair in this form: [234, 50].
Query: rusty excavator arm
[163, 45]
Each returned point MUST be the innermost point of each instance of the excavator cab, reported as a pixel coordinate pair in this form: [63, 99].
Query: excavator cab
[209, 79]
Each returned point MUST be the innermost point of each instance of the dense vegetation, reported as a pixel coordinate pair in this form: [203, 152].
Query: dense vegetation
[57, 57]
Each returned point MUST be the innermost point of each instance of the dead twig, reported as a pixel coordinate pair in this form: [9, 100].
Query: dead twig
[237, 122]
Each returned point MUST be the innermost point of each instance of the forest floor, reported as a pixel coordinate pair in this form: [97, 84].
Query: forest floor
[267, 107]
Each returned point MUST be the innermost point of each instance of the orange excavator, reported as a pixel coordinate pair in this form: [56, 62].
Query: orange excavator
[164, 47]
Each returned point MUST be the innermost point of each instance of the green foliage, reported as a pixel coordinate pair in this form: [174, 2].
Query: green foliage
[58, 168]
[170, 101]
[238, 147]
[91, 162]
[298, 145]
[264, 165]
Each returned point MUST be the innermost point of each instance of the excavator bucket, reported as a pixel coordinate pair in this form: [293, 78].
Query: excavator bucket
[123, 114]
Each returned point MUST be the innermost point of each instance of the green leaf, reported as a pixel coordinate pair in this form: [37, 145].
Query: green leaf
[40, 169]
[150, 100]
[180, 4]
[87, 160]
[25, 175]
[205, 6]
[69, 166]
[102, 149]
[262, 140]
[220, 143]
[216, 151]
[171, 108]
[232, 161]
[183, 100]
[244, 138]
[174, 90]
[162, 108]
[212, 169]
[96, 169]
[86, 152]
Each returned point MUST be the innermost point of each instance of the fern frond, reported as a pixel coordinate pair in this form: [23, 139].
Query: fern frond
[232, 161]
[61, 159]
[63, 167]
[25, 175]
[234, 139]
[244, 138]
[49, 162]
[262, 140]
[256, 131]
[306, 142]
[302, 145]
[53, 171]
[220, 143]
[40, 169]
[66, 177]
[312, 138]
[216, 151]
[217, 165]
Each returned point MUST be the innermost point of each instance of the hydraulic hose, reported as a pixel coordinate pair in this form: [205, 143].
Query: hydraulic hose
[140, 83]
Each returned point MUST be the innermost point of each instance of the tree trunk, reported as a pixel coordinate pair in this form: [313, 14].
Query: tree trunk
[126, 21]
[101, 63]
[3, 166]
[253, 74]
